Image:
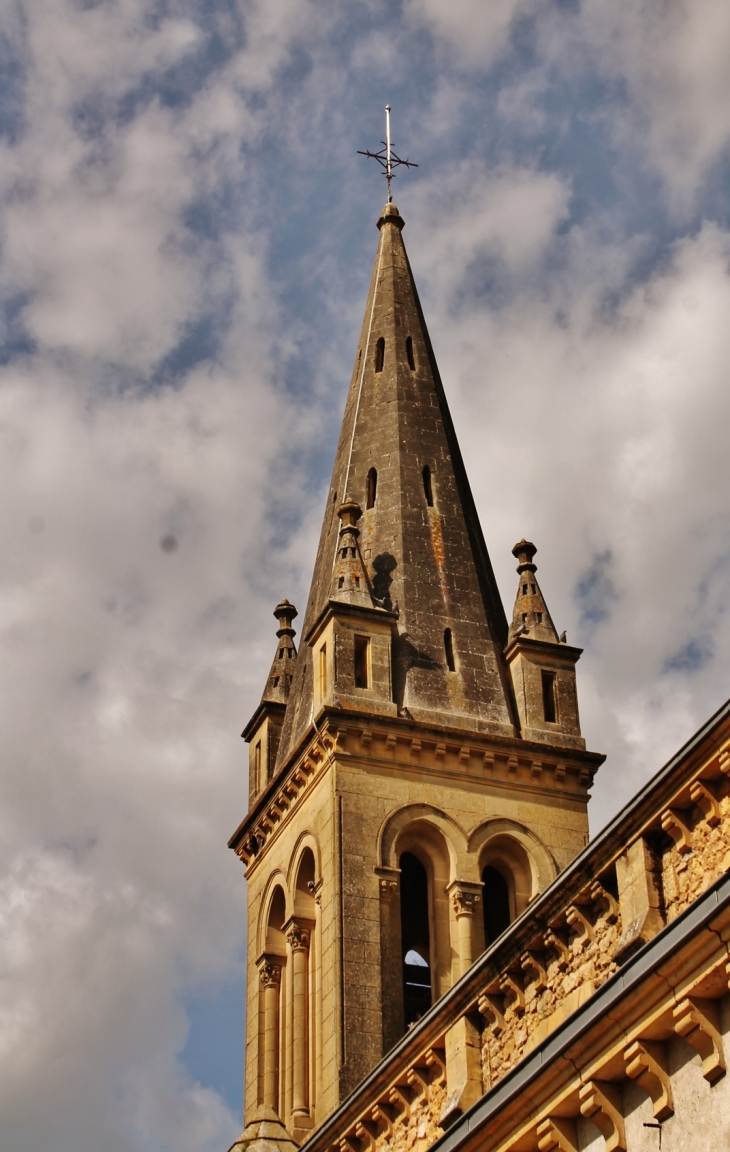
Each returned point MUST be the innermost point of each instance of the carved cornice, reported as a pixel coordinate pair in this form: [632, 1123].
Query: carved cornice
[409, 747]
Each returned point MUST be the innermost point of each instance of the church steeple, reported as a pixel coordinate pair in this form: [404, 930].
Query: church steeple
[427, 785]
[420, 540]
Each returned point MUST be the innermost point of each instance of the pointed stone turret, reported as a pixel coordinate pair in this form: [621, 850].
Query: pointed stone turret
[420, 540]
[542, 666]
[263, 731]
[530, 617]
[282, 667]
[350, 582]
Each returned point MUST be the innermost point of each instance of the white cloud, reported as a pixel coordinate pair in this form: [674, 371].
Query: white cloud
[590, 400]
[599, 432]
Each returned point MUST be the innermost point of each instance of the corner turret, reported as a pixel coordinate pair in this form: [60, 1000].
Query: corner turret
[263, 731]
[542, 666]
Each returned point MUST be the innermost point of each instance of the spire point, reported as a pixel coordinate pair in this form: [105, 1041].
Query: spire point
[391, 215]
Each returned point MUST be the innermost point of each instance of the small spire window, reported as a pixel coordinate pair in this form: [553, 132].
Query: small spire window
[380, 354]
[449, 649]
[362, 661]
[548, 697]
[539, 617]
[372, 488]
[409, 354]
[323, 671]
[524, 589]
[427, 485]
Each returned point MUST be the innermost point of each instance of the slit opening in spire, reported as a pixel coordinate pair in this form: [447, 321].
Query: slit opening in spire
[449, 649]
[380, 354]
[409, 353]
[372, 488]
[427, 485]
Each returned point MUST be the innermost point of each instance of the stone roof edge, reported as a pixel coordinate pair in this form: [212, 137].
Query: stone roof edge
[648, 802]
[680, 931]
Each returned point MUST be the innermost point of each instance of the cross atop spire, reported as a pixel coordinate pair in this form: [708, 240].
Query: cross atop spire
[387, 157]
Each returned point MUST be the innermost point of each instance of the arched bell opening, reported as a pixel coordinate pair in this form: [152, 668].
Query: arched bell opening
[497, 902]
[415, 938]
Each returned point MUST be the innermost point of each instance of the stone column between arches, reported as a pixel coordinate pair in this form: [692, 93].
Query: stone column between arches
[298, 937]
[270, 980]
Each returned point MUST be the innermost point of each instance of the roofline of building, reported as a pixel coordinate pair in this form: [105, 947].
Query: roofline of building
[598, 854]
[681, 931]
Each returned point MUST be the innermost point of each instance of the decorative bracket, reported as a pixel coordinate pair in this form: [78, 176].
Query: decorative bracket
[553, 939]
[600, 1102]
[646, 1063]
[529, 962]
[704, 797]
[674, 822]
[510, 987]
[492, 1009]
[580, 923]
[557, 1132]
[696, 1020]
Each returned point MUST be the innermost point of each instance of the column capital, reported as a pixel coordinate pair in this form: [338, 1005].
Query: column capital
[269, 970]
[297, 936]
[388, 882]
[465, 897]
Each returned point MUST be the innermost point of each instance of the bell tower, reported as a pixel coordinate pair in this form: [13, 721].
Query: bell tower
[417, 772]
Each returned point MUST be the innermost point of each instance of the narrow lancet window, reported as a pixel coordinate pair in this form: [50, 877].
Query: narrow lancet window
[372, 488]
[428, 485]
[362, 661]
[379, 354]
[548, 697]
[449, 649]
[415, 938]
[323, 671]
[409, 354]
[496, 904]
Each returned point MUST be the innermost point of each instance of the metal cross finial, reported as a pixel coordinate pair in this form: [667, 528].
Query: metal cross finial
[386, 157]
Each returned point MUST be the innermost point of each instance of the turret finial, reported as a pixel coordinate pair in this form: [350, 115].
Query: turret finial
[350, 582]
[282, 668]
[531, 617]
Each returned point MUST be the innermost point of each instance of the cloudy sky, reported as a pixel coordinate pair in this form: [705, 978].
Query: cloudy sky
[186, 239]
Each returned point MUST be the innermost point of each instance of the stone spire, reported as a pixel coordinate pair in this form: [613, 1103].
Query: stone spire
[530, 617]
[282, 668]
[420, 541]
